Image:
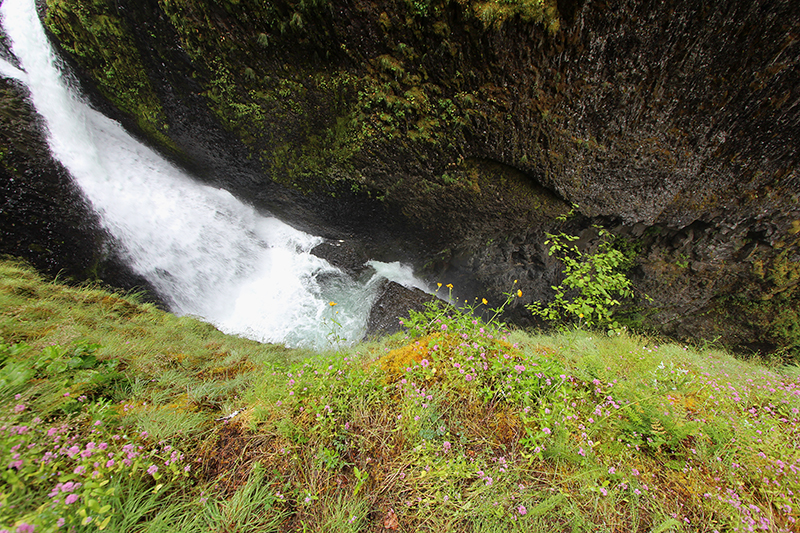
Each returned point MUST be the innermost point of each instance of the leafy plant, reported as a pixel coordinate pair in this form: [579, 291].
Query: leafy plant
[593, 283]
[56, 360]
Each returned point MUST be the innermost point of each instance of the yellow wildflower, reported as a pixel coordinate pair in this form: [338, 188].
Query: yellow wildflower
[449, 285]
[519, 293]
[439, 285]
[332, 304]
[484, 301]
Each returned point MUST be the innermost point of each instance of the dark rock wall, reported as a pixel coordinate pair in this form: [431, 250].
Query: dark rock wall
[43, 216]
[454, 133]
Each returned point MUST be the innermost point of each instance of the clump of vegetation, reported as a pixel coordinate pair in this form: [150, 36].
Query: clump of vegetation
[594, 284]
[495, 12]
[121, 417]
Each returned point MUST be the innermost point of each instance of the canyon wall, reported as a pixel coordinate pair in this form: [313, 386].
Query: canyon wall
[457, 134]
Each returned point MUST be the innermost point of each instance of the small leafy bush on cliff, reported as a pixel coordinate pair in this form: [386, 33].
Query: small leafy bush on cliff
[593, 284]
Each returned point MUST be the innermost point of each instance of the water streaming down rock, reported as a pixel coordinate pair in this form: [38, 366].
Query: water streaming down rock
[207, 253]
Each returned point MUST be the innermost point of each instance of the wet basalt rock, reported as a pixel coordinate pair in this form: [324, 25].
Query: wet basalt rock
[392, 304]
[344, 255]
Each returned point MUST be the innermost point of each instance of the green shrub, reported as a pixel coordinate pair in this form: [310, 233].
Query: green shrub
[593, 283]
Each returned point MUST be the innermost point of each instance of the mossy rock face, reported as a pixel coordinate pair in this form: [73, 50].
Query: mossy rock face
[459, 130]
[97, 36]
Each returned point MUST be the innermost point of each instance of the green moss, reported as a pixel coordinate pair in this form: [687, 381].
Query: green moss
[238, 113]
[768, 304]
[773, 322]
[784, 272]
[101, 42]
[496, 12]
[272, 74]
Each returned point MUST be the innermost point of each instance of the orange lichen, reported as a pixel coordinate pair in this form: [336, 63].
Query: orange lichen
[396, 361]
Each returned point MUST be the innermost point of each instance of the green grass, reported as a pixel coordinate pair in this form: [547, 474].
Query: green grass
[115, 414]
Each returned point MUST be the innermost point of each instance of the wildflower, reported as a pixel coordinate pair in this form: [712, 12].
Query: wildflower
[439, 285]
[331, 303]
[519, 293]
[546, 431]
[19, 408]
[612, 470]
[444, 327]
[580, 315]
[152, 470]
[484, 301]
[449, 285]
[72, 498]
[25, 528]
[446, 446]
[522, 510]
[60, 522]
[424, 363]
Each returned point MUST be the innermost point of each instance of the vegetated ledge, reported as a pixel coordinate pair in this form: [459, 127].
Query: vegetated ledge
[120, 413]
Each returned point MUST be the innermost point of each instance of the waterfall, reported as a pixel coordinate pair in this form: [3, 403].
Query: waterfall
[207, 253]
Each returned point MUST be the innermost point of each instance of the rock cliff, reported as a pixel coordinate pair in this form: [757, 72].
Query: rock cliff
[456, 134]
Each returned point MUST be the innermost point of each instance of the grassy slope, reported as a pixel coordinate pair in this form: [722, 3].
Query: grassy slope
[113, 411]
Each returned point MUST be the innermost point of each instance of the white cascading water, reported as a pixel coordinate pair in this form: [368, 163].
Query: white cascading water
[208, 253]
